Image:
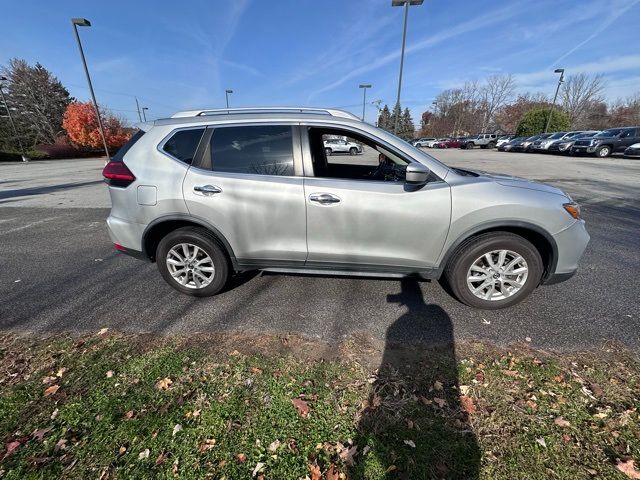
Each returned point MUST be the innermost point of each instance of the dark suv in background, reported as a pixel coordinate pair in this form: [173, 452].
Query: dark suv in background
[614, 140]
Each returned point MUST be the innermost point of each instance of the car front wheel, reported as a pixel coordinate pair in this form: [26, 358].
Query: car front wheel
[328, 151]
[603, 151]
[494, 270]
[191, 260]
[353, 151]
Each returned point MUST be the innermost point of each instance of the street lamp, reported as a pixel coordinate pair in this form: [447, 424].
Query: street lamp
[226, 95]
[144, 113]
[406, 4]
[364, 87]
[560, 80]
[83, 22]
[138, 109]
[13, 125]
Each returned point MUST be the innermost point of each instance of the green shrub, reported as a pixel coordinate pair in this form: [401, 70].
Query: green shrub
[534, 121]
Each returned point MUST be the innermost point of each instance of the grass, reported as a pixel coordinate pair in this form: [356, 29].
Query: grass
[140, 407]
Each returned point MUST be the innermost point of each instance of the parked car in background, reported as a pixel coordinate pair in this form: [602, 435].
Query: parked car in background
[448, 143]
[422, 142]
[633, 150]
[208, 194]
[564, 144]
[503, 139]
[483, 140]
[334, 145]
[543, 143]
[614, 140]
[508, 146]
[528, 144]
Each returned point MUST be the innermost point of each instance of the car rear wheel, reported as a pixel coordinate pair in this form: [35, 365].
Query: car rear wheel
[470, 145]
[494, 270]
[491, 145]
[192, 261]
[353, 151]
[603, 151]
[328, 151]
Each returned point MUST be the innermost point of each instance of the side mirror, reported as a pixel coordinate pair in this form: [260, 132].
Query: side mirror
[417, 174]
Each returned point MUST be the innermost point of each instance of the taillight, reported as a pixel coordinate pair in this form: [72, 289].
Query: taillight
[117, 174]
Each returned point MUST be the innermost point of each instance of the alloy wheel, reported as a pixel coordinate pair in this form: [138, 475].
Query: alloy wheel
[497, 275]
[190, 265]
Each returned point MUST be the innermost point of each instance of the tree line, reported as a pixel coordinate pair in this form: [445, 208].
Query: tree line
[493, 105]
[46, 117]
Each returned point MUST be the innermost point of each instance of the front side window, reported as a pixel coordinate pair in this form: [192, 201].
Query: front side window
[360, 158]
[260, 150]
[183, 144]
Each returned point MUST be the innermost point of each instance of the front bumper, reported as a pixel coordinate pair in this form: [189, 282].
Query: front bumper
[583, 149]
[571, 244]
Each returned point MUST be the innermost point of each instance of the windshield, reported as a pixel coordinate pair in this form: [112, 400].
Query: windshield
[614, 132]
[557, 135]
[587, 135]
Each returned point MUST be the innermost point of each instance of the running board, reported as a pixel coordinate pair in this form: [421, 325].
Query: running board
[332, 272]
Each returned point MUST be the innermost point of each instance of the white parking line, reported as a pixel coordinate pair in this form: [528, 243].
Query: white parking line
[28, 225]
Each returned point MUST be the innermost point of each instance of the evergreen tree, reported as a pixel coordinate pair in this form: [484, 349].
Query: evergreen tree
[396, 114]
[406, 128]
[384, 118]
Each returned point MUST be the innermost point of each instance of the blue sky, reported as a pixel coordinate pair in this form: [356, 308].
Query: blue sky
[182, 55]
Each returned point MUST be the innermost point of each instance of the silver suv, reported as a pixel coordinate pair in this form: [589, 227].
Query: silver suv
[335, 145]
[206, 194]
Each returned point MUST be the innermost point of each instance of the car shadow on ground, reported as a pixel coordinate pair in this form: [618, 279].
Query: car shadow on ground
[416, 390]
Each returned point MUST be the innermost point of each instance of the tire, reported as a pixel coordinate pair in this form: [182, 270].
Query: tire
[603, 151]
[353, 151]
[470, 145]
[208, 245]
[328, 152]
[491, 145]
[472, 251]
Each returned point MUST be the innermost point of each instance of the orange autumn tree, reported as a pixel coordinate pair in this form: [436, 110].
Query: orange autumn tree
[81, 125]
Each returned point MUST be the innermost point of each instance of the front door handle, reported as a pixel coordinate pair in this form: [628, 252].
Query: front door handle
[324, 198]
[207, 190]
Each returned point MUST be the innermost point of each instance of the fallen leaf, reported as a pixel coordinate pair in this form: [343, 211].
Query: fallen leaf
[332, 473]
[410, 443]
[468, 405]
[274, 446]
[437, 385]
[486, 322]
[301, 406]
[164, 384]
[51, 390]
[61, 371]
[161, 458]
[510, 373]
[177, 428]
[54, 414]
[259, 466]
[596, 389]
[256, 371]
[129, 414]
[628, 468]
[464, 389]
[390, 468]
[540, 441]
[102, 331]
[561, 422]
[47, 380]
[38, 434]
[528, 339]
[235, 353]
[241, 458]
[347, 455]
[61, 444]
[143, 454]
[316, 473]
[122, 450]
[441, 402]
[11, 447]
[207, 445]
[110, 374]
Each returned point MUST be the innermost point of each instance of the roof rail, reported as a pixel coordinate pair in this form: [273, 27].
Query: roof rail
[252, 110]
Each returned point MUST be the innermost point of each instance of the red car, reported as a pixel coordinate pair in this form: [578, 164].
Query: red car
[448, 143]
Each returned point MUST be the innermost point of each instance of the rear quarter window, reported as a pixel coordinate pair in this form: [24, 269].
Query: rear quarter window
[183, 144]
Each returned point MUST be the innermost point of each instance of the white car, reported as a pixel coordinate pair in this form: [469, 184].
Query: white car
[504, 139]
[332, 146]
[426, 142]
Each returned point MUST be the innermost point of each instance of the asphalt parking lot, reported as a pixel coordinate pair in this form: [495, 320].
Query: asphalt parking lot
[60, 272]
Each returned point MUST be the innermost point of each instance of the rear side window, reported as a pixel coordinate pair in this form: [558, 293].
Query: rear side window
[183, 144]
[259, 150]
[119, 156]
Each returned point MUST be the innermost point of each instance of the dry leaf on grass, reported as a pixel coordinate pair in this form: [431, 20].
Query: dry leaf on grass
[316, 473]
[259, 466]
[207, 445]
[510, 373]
[177, 428]
[274, 446]
[628, 468]
[51, 390]
[437, 385]
[164, 384]
[411, 443]
[38, 434]
[441, 402]
[301, 406]
[241, 458]
[347, 454]
[468, 405]
[110, 374]
[561, 422]
[143, 454]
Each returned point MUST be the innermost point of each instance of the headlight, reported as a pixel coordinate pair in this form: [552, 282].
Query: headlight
[593, 142]
[572, 209]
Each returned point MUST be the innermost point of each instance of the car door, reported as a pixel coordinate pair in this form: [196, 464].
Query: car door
[627, 138]
[248, 185]
[367, 224]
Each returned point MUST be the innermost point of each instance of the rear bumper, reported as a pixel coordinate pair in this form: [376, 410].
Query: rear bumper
[127, 234]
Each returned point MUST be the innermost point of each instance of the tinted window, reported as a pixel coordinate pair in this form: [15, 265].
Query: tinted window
[263, 150]
[119, 156]
[183, 144]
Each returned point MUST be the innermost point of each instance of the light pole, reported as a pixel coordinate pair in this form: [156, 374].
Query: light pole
[226, 96]
[83, 22]
[13, 125]
[561, 72]
[138, 108]
[364, 87]
[406, 4]
[144, 113]
[435, 113]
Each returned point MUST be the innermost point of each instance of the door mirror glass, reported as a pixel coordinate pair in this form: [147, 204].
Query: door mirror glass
[417, 174]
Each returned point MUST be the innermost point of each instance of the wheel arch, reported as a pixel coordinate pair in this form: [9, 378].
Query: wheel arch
[162, 226]
[539, 237]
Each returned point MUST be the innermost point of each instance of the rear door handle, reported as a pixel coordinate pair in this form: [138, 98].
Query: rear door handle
[207, 190]
[324, 198]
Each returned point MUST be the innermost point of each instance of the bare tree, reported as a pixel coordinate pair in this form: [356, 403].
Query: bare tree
[495, 93]
[579, 92]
